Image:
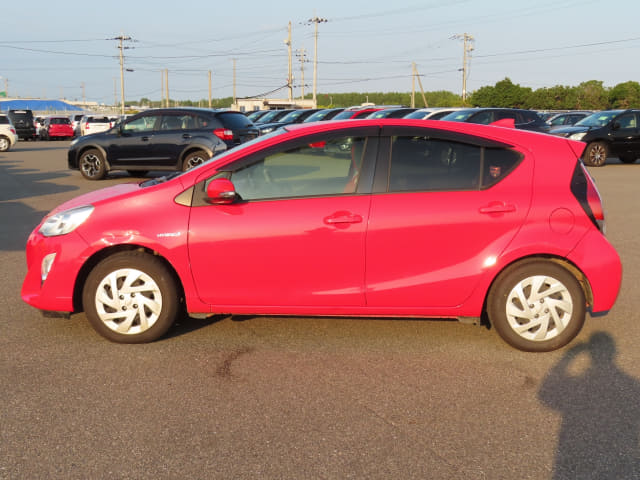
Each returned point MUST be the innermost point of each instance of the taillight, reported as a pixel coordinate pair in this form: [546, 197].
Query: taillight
[223, 133]
[86, 126]
[584, 189]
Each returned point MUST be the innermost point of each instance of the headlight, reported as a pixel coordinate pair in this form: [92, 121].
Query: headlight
[577, 136]
[65, 222]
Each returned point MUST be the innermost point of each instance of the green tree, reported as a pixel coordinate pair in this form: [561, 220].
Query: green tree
[625, 95]
[592, 95]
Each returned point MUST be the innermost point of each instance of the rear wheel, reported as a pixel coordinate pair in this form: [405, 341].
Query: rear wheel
[595, 155]
[92, 165]
[4, 144]
[194, 159]
[131, 297]
[537, 306]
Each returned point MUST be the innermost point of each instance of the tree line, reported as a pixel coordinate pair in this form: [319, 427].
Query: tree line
[589, 95]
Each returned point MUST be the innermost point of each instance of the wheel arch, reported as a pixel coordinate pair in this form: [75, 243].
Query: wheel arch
[562, 262]
[97, 257]
[82, 150]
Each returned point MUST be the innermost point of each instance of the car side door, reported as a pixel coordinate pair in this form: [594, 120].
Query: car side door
[625, 135]
[131, 142]
[442, 210]
[294, 239]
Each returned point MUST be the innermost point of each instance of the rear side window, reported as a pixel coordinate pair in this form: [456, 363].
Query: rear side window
[428, 164]
[233, 120]
[4, 120]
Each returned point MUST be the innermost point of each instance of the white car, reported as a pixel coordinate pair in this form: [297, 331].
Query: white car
[432, 113]
[94, 124]
[8, 135]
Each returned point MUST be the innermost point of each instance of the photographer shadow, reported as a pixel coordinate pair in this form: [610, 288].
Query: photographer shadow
[600, 406]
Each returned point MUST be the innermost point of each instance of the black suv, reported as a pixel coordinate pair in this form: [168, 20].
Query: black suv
[24, 123]
[160, 139]
[615, 132]
[523, 119]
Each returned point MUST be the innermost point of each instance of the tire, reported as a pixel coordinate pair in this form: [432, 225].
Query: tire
[131, 297]
[92, 165]
[5, 144]
[194, 159]
[554, 306]
[595, 155]
[627, 158]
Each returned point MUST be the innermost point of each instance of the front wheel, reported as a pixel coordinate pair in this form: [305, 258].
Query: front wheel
[92, 165]
[194, 159]
[537, 306]
[131, 297]
[595, 155]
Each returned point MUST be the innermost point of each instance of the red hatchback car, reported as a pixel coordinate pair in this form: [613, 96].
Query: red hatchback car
[56, 128]
[373, 218]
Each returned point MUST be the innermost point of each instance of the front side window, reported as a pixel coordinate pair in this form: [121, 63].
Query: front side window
[428, 164]
[140, 124]
[627, 121]
[324, 168]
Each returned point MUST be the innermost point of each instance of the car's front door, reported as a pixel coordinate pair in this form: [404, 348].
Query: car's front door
[450, 209]
[625, 136]
[296, 237]
[132, 145]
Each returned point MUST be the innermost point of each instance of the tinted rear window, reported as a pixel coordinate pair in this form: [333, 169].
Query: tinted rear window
[234, 120]
[98, 120]
[4, 120]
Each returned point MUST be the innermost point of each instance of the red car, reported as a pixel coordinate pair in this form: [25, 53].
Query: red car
[417, 218]
[56, 128]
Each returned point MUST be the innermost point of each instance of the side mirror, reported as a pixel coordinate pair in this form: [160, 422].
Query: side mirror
[221, 191]
[616, 125]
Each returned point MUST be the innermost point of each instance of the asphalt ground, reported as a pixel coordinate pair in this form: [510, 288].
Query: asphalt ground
[308, 398]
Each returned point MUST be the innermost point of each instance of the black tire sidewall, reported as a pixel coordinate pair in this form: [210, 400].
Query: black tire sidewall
[102, 171]
[496, 305]
[154, 268]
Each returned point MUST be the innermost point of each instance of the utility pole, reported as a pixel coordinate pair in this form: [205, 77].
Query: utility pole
[121, 39]
[290, 74]
[467, 41]
[417, 75]
[315, 20]
[162, 87]
[166, 86]
[234, 82]
[413, 84]
[301, 54]
[209, 88]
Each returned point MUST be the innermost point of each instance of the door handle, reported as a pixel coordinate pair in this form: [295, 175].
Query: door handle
[497, 207]
[343, 217]
[186, 136]
[144, 139]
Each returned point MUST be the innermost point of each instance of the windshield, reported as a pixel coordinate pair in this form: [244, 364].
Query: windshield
[290, 117]
[598, 119]
[460, 116]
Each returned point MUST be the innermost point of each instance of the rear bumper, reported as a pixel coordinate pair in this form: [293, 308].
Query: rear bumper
[601, 265]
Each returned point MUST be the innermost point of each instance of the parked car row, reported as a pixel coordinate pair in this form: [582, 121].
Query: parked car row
[612, 132]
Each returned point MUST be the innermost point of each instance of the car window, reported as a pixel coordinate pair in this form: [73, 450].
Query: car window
[427, 164]
[234, 120]
[171, 122]
[4, 120]
[324, 168]
[485, 117]
[141, 124]
[627, 121]
[98, 120]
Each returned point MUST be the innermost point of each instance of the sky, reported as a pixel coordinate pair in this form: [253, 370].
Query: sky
[362, 46]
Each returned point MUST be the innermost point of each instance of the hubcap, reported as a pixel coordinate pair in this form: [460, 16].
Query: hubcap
[91, 165]
[194, 162]
[539, 308]
[128, 301]
[597, 155]
[4, 144]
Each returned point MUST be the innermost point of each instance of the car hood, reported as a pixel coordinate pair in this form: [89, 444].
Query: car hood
[97, 196]
[570, 129]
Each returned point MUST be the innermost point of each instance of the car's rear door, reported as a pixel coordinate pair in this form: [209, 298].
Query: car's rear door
[440, 217]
